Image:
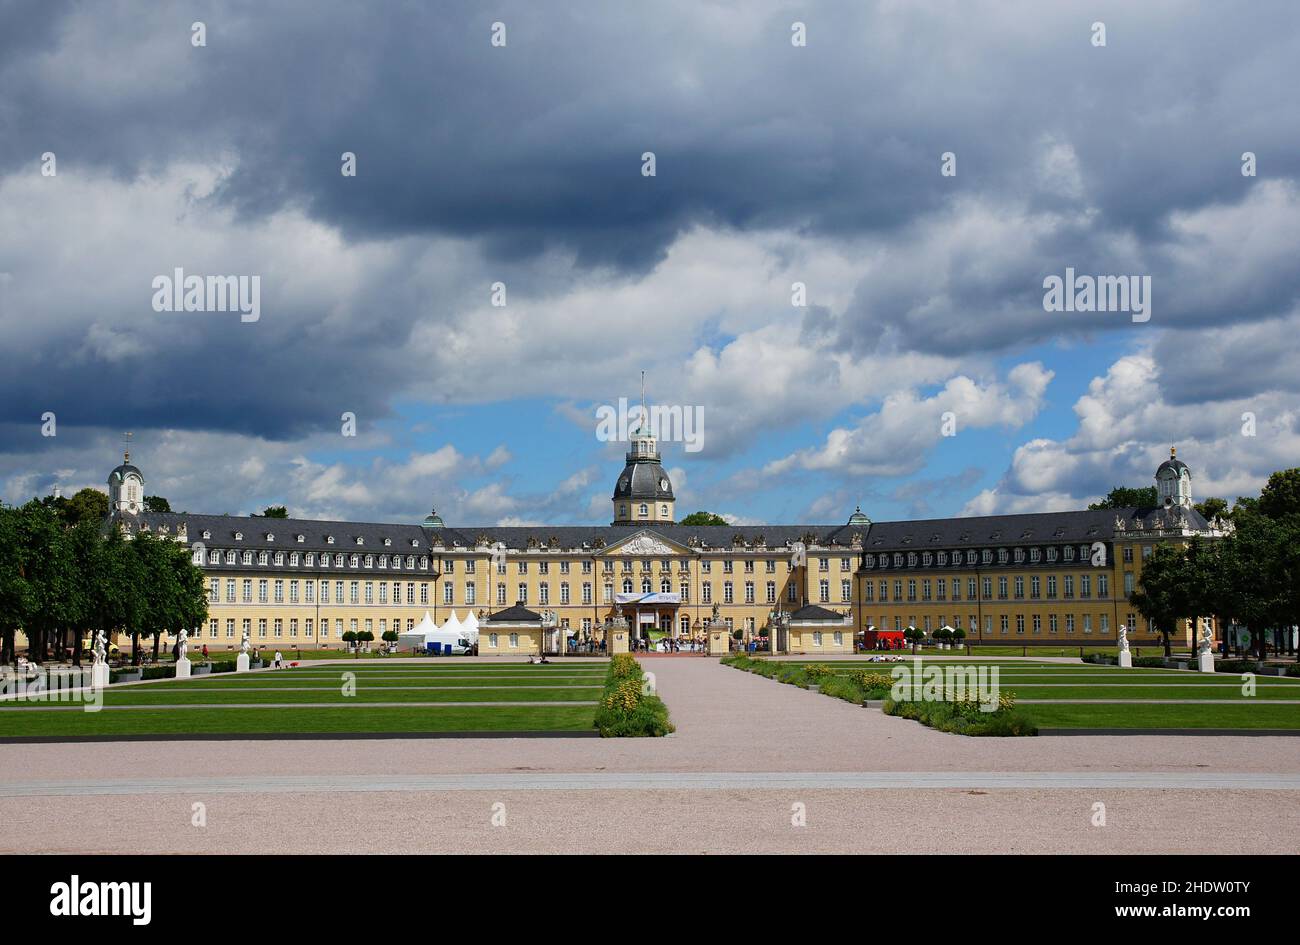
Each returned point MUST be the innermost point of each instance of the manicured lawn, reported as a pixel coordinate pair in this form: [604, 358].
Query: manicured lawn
[323, 719]
[1055, 681]
[327, 709]
[1256, 715]
[184, 695]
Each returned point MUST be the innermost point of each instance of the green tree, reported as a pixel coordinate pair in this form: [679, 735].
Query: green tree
[1122, 497]
[159, 592]
[1213, 508]
[1281, 495]
[914, 636]
[275, 511]
[16, 594]
[47, 565]
[1160, 596]
[101, 570]
[87, 505]
[156, 503]
[703, 518]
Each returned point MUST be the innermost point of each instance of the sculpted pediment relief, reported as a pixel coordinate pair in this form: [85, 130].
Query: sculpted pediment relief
[646, 545]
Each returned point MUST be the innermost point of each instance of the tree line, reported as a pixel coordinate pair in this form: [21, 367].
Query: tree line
[63, 576]
[1251, 577]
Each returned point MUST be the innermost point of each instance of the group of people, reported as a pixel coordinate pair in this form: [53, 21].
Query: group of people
[586, 643]
[670, 645]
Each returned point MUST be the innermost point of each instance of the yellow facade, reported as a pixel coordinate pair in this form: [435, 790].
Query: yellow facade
[1081, 604]
[821, 641]
[509, 641]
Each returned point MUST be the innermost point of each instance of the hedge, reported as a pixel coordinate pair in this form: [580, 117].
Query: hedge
[626, 710]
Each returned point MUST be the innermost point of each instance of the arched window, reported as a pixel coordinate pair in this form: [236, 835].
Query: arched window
[644, 510]
[627, 585]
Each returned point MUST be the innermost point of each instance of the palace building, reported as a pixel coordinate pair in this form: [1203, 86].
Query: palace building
[1046, 578]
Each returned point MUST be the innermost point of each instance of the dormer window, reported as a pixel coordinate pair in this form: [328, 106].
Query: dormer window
[387, 542]
[206, 533]
[415, 543]
[301, 539]
[270, 536]
[239, 536]
[329, 539]
[360, 540]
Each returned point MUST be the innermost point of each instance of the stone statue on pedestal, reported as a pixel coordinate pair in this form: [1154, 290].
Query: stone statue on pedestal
[1205, 658]
[243, 643]
[1125, 657]
[183, 644]
[99, 651]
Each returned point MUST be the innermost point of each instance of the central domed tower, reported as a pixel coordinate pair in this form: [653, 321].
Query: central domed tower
[643, 494]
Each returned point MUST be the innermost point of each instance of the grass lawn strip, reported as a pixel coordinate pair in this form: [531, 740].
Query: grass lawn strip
[323, 719]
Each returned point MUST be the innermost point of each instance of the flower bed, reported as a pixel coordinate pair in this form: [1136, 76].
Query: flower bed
[626, 709]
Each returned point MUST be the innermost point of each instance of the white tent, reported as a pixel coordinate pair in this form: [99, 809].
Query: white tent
[452, 633]
[414, 639]
[470, 627]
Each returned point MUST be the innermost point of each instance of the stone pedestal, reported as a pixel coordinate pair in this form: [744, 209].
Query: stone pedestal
[1126, 659]
[241, 663]
[183, 668]
[99, 675]
[718, 643]
[1205, 662]
[617, 640]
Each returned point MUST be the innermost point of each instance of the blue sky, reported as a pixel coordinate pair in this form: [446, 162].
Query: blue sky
[129, 151]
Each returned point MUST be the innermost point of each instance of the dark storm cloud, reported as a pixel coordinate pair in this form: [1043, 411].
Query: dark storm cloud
[1068, 156]
[539, 143]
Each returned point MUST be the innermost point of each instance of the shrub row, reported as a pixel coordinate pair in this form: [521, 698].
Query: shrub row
[626, 710]
[965, 718]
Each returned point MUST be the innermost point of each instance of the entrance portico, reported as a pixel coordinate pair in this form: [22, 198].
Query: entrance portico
[653, 611]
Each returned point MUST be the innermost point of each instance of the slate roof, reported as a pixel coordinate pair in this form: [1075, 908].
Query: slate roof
[1035, 528]
[641, 480]
[516, 614]
[813, 612]
[1077, 527]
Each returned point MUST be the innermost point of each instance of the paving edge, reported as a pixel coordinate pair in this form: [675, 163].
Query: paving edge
[276, 736]
[1218, 732]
